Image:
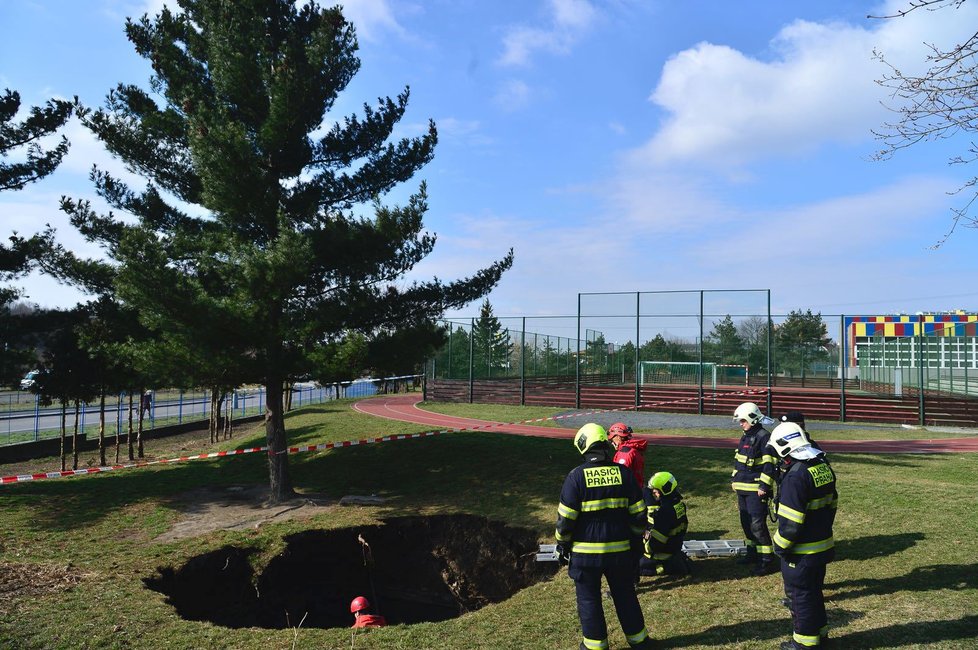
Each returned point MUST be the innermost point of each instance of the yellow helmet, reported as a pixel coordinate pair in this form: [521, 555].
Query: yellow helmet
[589, 435]
[663, 482]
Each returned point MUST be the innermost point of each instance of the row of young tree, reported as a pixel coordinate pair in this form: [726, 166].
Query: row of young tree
[259, 249]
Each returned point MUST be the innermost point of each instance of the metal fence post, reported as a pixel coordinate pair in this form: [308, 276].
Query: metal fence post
[699, 368]
[37, 416]
[638, 333]
[770, 336]
[471, 358]
[920, 369]
[576, 357]
[523, 364]
[843, 368]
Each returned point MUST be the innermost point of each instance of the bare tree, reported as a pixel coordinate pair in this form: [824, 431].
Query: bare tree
[939, 104]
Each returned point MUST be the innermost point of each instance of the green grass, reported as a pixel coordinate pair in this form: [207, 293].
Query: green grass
[906, 575]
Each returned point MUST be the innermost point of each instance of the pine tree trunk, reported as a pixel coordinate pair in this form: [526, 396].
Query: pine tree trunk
[64, 433]
[228, 421]
[129, 440]
[74, 438]
[139, 426]
[213, 419]
[101, 429]
[280, 483]
[118, 408]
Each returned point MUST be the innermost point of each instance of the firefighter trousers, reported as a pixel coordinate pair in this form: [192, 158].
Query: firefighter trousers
[753, 519]
[587, 581]
[804, 579]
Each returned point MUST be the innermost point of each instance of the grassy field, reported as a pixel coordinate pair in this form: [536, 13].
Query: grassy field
[74, 552]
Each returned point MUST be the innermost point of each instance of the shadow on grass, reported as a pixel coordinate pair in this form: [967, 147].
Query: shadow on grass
[926, 578]
[510, 478]
[705, 570]
[72, 503]
[875, 546]
[964, 629]
[767, 629]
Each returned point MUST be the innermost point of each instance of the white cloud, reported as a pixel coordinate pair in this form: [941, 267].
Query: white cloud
[513, 95]
[567, 21]
[725, 108]
[372, 18]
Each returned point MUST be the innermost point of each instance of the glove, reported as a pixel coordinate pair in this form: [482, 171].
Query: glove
[563, 555]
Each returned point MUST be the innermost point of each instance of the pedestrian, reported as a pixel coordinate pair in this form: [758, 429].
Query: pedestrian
[360, 608]
[808, 499]
[667, 528]
[600, 520]
[146, 402]
[629, 451]
[753, 480]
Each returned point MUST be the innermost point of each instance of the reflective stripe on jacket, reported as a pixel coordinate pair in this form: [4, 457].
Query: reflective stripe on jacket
[601, 512]
[807, 503]
[667, 524]
[754, 461]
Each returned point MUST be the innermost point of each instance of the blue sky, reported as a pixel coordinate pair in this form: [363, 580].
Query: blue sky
[620, 145]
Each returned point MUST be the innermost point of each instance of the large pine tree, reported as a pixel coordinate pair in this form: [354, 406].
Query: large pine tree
[23, 160]
[250, 231]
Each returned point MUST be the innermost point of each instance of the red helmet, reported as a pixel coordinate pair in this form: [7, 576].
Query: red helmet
[620, 429]
[359, 603]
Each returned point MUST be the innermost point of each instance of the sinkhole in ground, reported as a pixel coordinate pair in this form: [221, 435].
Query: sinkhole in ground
[412, 569]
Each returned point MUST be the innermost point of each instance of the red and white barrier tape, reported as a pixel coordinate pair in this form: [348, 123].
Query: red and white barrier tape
[23, 478]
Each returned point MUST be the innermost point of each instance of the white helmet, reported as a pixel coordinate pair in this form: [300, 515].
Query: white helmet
[748, 411]
[788, 437]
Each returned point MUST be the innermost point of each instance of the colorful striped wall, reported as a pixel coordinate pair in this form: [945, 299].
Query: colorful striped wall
[904, 325]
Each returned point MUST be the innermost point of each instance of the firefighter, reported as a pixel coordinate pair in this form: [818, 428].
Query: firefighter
[799, 418]
[362, 617]
[667, 528]
[753, 480]
[629, 451]
[808, 500]
[600, 520]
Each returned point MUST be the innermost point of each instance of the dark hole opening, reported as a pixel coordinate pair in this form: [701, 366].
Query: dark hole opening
[411, 569]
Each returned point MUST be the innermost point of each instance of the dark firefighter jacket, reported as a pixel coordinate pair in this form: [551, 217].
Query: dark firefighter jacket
[754, 462]
[667, 525]
[807, 503]
[601, 513]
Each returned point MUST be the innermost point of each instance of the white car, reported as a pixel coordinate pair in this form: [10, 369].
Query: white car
[28, 380]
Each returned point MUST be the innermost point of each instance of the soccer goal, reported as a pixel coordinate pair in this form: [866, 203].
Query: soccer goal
[735, 374]
[677, 372]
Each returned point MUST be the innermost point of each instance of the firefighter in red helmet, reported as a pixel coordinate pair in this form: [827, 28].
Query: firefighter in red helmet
[629, 451]
[360, 608]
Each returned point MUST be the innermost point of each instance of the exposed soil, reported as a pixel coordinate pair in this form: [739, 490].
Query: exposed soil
[236, 507]
[412, 569]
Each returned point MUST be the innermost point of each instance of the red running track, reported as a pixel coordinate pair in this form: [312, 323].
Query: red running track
[405, 409]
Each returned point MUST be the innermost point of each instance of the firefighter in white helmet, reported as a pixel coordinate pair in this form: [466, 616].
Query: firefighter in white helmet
[753, 480]
[807, 503]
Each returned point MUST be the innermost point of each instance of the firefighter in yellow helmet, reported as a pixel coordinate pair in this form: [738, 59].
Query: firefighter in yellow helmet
[600, 520]
[667, 528]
